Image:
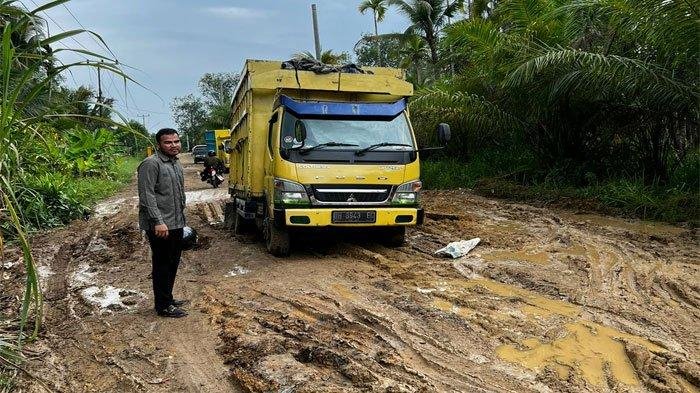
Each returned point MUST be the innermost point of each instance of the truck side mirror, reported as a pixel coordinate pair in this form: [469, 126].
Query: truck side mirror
[300, 131]
[444, 133]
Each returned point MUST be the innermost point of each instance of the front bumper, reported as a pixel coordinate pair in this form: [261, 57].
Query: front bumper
[322, 217]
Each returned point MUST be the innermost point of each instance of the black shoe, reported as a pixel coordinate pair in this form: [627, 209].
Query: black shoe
[179, 303]
[172, 312]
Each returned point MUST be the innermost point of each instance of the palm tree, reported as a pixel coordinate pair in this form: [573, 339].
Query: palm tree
[427, 17]
[379, 8]
[576, 77]
[414, 51]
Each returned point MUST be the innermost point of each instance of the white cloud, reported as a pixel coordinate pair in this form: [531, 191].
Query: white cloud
[234, 12]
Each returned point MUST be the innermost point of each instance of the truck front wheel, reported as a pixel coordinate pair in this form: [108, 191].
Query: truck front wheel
[395, 236]
[277, 239]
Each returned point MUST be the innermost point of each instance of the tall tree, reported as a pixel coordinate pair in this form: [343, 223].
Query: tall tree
[602, 87]
[368, 47]
[427, 17]
[218, 88]
[414, 53]
[189, 113]
[378, 8]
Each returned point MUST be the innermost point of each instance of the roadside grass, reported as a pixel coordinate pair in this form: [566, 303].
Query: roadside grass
[9, 356]
[53, 199]
[91, 190]
[510, 176]
[8, 380]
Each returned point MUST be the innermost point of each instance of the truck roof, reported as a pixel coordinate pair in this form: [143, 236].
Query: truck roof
[266, 74]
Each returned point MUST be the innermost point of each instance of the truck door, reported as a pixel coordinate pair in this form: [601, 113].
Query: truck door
[273, 145]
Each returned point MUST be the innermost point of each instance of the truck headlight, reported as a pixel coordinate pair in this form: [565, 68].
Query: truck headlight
[290, 193]
[408, 193]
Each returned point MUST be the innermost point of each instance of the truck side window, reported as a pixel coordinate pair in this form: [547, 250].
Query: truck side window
[271, 131]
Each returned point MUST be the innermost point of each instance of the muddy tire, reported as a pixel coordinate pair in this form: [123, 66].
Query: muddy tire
[230, 215]
[241, 226]
[233, 221]
[277, 240]
[395, 236]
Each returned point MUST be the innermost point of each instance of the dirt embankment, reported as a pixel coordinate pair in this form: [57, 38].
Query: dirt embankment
[549, 301]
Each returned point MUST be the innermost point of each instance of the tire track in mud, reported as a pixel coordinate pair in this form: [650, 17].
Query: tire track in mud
[92, 345]
[548, 302]
[413, 322]
[620, 272]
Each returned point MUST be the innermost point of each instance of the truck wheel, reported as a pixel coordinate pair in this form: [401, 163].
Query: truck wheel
[276, 239]
[395, 236]
[230, 215]
[240, 224]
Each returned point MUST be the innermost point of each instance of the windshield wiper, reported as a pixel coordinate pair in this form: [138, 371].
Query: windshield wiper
[378, 145]
[330, 144]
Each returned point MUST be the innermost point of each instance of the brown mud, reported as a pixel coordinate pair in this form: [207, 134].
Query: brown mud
[549, 301]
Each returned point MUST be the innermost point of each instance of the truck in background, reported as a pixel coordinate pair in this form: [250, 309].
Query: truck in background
[218, 141]
[322, 150]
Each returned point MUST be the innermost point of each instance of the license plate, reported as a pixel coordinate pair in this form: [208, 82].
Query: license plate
[354, 217]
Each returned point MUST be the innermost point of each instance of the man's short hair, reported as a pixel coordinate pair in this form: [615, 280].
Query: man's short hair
[165, 131]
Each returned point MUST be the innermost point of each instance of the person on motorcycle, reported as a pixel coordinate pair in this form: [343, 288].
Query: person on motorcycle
[212, 161]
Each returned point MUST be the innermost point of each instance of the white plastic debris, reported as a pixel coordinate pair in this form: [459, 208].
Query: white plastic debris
[458, 249]
[237, 271]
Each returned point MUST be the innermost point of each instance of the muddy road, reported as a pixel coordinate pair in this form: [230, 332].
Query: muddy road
[549, 301]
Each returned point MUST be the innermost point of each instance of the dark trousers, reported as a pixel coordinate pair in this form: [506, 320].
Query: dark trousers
[165, 258]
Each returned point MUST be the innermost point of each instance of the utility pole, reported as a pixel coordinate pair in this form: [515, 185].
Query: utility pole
[187, 133]
[317, 39]
[143, 123]
[143, 120]
[99, 88]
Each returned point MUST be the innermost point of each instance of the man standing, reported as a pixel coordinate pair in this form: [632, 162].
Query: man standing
[162, 215]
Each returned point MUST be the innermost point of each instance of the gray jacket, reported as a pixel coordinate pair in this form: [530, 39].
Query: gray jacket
[161, 192]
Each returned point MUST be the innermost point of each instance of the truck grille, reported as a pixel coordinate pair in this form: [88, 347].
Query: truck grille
[352, 194]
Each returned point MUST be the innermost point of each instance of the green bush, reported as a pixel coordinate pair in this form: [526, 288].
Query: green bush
[52, 199]
[49, 199]
[447, 173]
[512, 175]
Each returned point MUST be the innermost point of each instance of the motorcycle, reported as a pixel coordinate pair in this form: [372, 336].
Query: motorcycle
[213, 178]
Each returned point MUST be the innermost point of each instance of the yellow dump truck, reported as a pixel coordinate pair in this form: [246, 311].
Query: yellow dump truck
[322, 150]
[219, 141]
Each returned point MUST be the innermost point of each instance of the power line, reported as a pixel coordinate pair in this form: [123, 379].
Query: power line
[59, 26]
[100, 44]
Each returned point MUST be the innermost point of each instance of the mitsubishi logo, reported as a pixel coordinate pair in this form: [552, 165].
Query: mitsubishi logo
[352, 198]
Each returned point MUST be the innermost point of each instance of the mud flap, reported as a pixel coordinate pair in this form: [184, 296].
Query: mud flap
[280, 220]
[229, 215]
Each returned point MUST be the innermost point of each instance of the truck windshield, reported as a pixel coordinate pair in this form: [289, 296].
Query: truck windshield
[360, 133]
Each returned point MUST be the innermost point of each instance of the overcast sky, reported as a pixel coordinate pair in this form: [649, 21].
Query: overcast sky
[173, 42]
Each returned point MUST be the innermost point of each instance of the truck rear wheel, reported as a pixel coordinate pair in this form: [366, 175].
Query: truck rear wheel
[277, 239]
[234, 221]
[240, 225]
[230, 215]
[395, 236]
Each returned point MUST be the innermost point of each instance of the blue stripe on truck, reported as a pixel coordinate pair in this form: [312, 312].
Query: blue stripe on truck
[351, 109]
